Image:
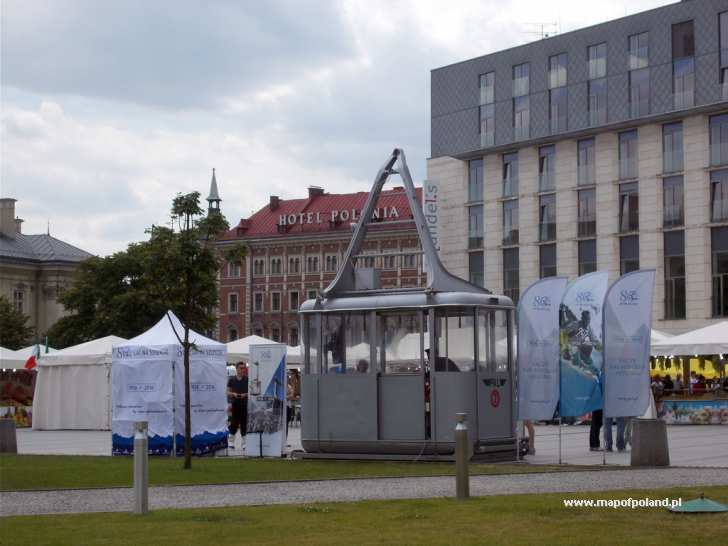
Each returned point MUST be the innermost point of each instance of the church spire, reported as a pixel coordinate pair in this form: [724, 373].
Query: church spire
[213, 200]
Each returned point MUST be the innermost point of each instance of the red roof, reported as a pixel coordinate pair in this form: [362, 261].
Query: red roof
[320, 213]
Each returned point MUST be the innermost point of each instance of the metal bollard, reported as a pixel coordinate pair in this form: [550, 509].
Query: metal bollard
[462, 478]
[141, 468]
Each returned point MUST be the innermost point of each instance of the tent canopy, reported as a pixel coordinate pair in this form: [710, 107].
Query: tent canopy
[240, 349]
[25, 352]
[709, 340]
[96, 351]
[163, 334]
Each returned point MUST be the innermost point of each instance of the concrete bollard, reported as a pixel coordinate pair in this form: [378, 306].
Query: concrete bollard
[8, 438]
[141, 468]
[462, 478]
[649, 443]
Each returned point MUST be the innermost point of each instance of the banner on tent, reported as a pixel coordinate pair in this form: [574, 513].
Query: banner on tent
[208, 401]
[538, 348]
[141, 390]
[266, 401]
[580, 344]
[627, 331]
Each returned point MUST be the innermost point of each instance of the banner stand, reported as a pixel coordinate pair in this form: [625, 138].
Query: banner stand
[559, 438]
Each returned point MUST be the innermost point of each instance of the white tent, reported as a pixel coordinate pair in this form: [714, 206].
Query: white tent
[147, 384]
[656, 336]
[710, 340]
[72, 390]
[240, 350]
[16, 359]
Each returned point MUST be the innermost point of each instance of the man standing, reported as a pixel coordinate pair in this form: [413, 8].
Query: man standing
[596, 425]
[237, 391]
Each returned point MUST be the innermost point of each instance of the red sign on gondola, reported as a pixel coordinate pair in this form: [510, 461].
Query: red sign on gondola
[494, 398]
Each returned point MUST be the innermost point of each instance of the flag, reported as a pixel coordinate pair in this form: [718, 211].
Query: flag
[33, 358]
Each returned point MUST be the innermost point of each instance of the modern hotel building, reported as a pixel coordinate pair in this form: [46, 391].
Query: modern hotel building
[604, 148]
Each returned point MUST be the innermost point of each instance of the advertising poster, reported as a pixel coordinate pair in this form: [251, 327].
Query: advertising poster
[627, 332]
[208, 400]
[538, 348]
[581, 346]
[266, 401]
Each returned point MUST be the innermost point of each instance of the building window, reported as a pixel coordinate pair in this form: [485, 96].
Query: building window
[409, 261]
[587, 213]
[312, 264]
[597, 84]
[683, 65]
[557, 92]
[723, 24]
[232, 334]
[521, 104]
[547, 260]
[275, 301]
[510, 274]
[19, 300]
[628, 154]
[629, 207]
[475, 226]
[597, 101]
[234, 269]
[719, 247]
[639, 92]
[294, 265]
[719, 140]
[389, 262]
[672, 202]
[510, 222]
[587, 256]
[275, 334]
[331, 263]
[258, 302]
[475, 180]
[597, 61]
[259, 267]
[293, 303]
[675, 274]
[487, 109]
[547, 217]
[258, 331]
[719, 196]
[510, 174]
[546, 163]
[629, 254]
[232, 303]
[586, 167]
[475, 268]
[312, 294]
[638, 51]
[276, 266]
[672, 147]
[293, 337]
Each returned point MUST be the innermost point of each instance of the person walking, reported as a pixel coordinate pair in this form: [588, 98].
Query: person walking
[237, 391]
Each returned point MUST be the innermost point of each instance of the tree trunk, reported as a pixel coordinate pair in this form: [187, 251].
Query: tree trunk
[188, 420]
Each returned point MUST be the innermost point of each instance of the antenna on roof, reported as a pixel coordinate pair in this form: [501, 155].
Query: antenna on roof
[49, 227]
[543, 30]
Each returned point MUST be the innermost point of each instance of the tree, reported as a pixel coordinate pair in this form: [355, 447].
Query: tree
[14, 332]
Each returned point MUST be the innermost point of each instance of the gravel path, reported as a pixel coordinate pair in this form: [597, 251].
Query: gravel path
[121, 499]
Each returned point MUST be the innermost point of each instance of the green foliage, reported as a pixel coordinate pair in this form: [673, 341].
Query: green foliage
[14, 332]
[126, 293]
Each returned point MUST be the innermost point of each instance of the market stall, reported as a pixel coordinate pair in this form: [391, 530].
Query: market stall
[240, 350]
[73, 389]
[16, 388]
[689, 376]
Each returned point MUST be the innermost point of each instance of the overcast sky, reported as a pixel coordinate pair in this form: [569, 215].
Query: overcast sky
[111, 108]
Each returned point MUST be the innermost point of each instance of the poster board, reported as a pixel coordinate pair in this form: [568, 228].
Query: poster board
[266, 430]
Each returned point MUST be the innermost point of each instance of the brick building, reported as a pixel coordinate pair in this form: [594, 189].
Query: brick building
[294, 248]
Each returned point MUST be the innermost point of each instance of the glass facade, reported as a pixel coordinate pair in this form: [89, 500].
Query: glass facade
[597, 90]
[586, 166]
[629, 210]
[547, 217]
[546, 167]
[475, 268]
[719, 196]
[719, 140]
[510, 174]
[475, 226]
[521, 102]
[475, 180]
[672, 147]
[719, 259]
[597, 61]
[628, 161]
[587, 213]
[638, 51]
[629, 254]
[547, 260]
[723, 30]
[639, 92]
[683, 65]
[587, 256]
[510, 274]
[510, 222]
[673, 213]
[674, 250]
[558, 92]
[487, 109]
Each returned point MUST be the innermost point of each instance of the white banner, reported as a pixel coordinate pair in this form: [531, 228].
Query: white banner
[208, 399]
[538, 348]
[581, 347]
[627, 329]
[266, 401]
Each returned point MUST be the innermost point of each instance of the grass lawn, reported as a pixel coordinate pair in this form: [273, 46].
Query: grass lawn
[518, 519]
[68, 471]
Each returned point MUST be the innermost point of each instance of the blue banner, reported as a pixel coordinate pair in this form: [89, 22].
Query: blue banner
[538, 348]
[580, 344]
[627, 331]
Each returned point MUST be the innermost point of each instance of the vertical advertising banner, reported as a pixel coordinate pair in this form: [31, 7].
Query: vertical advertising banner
[208, 399]
[431, 209]
[581, 345]
[266, 401]
[538, 348]
[627, 330]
